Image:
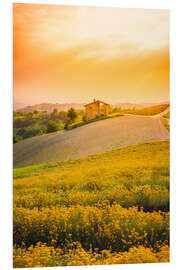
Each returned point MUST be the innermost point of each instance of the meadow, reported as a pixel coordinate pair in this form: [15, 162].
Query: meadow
[166, 120]
[108, 208]
[149, 111]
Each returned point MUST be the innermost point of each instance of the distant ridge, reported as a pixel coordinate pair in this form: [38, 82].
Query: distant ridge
[126, 105]
[49, 107]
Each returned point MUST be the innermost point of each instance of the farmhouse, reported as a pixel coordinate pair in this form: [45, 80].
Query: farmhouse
[96, 108]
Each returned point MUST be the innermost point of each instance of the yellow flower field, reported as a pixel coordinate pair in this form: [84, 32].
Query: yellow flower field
[109, 208]
[42, 255]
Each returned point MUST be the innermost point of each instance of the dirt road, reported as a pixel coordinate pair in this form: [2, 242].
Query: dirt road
[93, 138]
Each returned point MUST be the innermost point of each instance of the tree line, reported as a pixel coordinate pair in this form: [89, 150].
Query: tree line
[30, 124]
[26, 125]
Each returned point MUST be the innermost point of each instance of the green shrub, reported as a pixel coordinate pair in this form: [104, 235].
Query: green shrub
[52, 126]
[16, 138]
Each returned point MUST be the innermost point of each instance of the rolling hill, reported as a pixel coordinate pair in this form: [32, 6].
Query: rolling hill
[126, 105]
[49, 107]
[112, 207]
[152, 110]
[89, 139]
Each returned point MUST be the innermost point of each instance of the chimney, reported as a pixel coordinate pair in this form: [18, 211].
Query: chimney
[94, 100]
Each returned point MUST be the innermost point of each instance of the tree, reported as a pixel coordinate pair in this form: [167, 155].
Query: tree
[62, 116]
[55, 111]
[31, 132]
[61, 125]
[16, 138]
[72, 114]
[84, 118]
[35, 112]
[52, 126]
[54, 114]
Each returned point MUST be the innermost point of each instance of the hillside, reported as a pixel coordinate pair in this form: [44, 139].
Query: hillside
[89, 139]
[126, 105]
[152, 110]
[111, 207]
[50, 107]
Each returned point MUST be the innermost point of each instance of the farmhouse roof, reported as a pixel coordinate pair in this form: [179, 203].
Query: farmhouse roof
[96, 101]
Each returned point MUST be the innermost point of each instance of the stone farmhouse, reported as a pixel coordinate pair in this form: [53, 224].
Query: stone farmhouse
[96, 108]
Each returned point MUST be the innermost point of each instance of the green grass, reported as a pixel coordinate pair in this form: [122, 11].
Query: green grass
[167, 115]
[165, 122]
[127, 157]
[82, 123]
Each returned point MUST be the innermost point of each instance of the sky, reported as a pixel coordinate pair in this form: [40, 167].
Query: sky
[65, 54]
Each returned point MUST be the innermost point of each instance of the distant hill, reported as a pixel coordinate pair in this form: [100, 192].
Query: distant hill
[153, 110]
[49, 107]
[17, 105]
[126, 105]
[146, 104]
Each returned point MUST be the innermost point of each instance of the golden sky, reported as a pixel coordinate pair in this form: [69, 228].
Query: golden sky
[74, 54]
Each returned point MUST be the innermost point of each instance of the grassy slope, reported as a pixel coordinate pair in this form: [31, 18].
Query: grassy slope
[91, 200]
[82, 123]
[127, 157]
[167, 115]
[89, 139]
[153, 110]
[165, 122]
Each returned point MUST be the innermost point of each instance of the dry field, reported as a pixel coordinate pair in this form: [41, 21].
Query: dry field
[89, 139]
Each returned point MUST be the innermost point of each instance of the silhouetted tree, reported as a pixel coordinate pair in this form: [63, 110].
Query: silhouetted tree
[72, 114]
